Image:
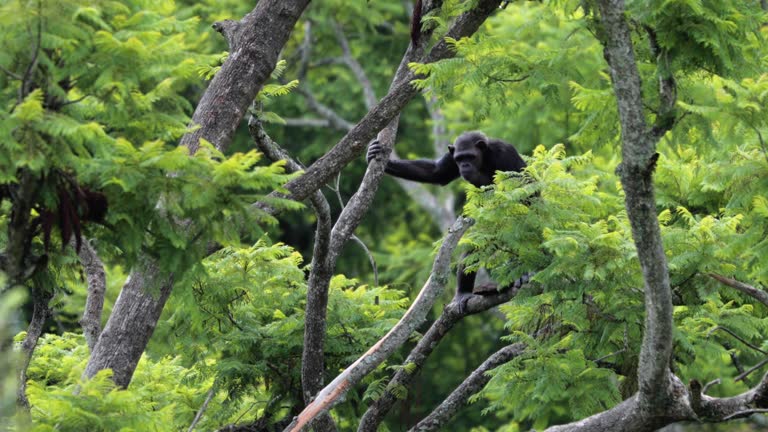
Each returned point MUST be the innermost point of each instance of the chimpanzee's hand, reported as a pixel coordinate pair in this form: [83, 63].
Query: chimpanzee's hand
[374, 149]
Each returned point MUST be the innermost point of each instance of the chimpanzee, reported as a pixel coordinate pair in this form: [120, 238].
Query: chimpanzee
[472, 156]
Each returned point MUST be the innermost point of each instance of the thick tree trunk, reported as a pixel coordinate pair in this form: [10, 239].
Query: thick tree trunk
[255, 42]
[132, 323]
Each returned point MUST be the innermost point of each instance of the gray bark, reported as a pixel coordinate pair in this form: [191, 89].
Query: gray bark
[334, 392]
[40, 313]
[312, 357]
[662, 399]
[473, 384]
[133, 320]
[97, 287]
[749, 290]
[423, 349]
[638, 163]
[356, 140]
[255, 42]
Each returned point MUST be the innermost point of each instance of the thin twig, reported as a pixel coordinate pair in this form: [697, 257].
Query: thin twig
[745, 413]
[710, 384]
[357, 240]
[737, 337]
[752, 369]
[202, 409]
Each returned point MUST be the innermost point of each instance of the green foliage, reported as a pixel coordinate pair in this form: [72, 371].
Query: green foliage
[244, 308]
[104, 105]
[9, 304]
[564, 219]
[704, 34]
[163, 394]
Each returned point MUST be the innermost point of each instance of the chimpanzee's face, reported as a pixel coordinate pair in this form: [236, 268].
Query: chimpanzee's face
[468, 153]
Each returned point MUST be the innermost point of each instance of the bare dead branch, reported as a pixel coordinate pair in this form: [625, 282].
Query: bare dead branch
[749, 290]
[474, 383]
[304, 51]
[331, 394]
[97, 287]
[357, 239]
[308, 122]
[737, 337]
[335, 120]
[354, 66]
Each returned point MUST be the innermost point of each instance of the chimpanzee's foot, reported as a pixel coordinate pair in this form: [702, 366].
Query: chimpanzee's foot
[461, 299]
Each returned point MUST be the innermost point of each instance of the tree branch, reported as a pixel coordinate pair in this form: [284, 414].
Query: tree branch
[423, 349]
[256, 43]
[474, 383]
[749, 290]
[321, 272]
[263, 33]
[333, 392]
[97, 287]
[202, 409]
[638, 163]
[40, 313]
[356, 140]
[354, 66]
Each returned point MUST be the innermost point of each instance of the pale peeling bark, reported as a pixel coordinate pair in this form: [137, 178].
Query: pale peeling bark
[255, 42]
[335, 391]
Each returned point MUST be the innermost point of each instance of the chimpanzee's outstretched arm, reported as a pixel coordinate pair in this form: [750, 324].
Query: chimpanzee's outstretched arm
[441, 171]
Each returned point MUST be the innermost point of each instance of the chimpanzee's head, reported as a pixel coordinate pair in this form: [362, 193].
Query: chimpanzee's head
[468, 152]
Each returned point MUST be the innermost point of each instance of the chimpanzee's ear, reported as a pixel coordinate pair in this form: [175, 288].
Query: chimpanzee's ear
[451, 149]
[482, 145]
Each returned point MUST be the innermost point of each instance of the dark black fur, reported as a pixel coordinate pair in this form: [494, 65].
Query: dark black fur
[474, 157]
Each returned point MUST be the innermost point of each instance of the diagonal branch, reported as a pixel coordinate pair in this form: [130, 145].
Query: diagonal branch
[355, 141]
[256, 42]
[749, 290]
[423, 349]
[333, 392]
[474, 383]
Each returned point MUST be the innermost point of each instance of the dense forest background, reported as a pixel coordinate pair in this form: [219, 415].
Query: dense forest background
[165, 268]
